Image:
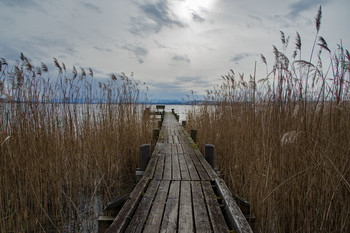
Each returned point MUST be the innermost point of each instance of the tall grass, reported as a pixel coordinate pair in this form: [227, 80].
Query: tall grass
[61, 154]
[283, 142]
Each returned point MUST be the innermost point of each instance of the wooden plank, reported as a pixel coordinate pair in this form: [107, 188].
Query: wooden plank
[179, 148]
[200, 169]
[159, 148]
[170, 138]
[176, 175]
[185, 175]
[169, 223]
[173, 148]
[122, 220]
[156, 215]
[201, 218]
[236, 219]
[167, 167]
[216, 216]
[175, 138]
[148, 174]
[185, 211]
[191, 169]
[212, 174]
[139, 218]
[158, 173]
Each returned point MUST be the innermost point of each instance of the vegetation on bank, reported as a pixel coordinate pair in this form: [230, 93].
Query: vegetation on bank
[60, 161]
[283, 142]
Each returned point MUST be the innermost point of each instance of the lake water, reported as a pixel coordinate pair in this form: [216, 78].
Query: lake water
[180, 109]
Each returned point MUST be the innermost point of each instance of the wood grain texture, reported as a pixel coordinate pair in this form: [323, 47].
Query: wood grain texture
[176, 191]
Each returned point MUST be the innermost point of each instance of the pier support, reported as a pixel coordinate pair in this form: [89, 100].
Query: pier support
[155, 135]
[145, 154]
[210, 154]
[194, 135]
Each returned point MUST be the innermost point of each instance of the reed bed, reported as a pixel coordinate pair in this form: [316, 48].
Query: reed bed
[69, 143]
[283, 142]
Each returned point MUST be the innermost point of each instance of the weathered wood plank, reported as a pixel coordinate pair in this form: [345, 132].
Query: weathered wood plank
[173, 148]
[185, 175]
[176, 175]
[175, 138]
[167, 167]
[140, 216]
[121, 222]
[158, 173]
[170, 219]
[191, 169]
[216, 218]
[236, 218]
[179, 148]
[200, 169]
[201, 218]
[185, 211]
[212, 174]
[148, 174]
[156, 214]
[141, 212]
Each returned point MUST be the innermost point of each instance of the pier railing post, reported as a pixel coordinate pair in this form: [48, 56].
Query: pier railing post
[145, 154]
[194, 135]
[155, 135]
[210, 154]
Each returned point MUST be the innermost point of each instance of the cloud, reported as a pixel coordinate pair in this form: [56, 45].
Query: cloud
[103, 49]
[195, 81]
[197, 18]
[138, 51]
[303, 5]
[255, 18]
[240, 56]
[91, 7]
[153, 17]
[19, 3]
[179, 58]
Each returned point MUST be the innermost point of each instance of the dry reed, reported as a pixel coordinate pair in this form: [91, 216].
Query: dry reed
[68, 145]
[284, 143]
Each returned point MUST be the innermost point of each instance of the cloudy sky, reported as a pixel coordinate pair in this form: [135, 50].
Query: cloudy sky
[175, 46]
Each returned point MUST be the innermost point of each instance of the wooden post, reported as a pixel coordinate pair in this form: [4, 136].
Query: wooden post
[145, 154]
[104, 222]
[194, 135]
[210, 154]
[155, 135]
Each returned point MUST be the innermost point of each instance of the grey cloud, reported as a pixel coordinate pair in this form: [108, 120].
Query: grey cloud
[255, 18]
[197, 18]
[304, 5]
[168, 89]
[103, 49]
[92, 7]
[138, 51]
[179, 58]
[18, 3]
[154, 16]
[240, 56]
[194, 81]
[160, 45]
[61, 44]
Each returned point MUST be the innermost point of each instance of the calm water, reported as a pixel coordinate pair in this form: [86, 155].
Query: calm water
[179, 109]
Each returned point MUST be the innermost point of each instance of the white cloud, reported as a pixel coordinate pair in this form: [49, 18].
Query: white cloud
[172, 51]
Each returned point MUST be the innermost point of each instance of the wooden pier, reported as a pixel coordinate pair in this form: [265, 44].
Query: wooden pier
[179, 191]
